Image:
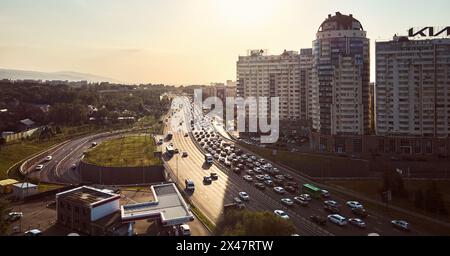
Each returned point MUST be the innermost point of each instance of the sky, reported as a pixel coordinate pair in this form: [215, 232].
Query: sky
[183, 41]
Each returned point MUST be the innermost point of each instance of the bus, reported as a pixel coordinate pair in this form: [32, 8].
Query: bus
[312, 190]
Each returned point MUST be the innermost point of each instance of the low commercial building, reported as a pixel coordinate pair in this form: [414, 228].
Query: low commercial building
[79, 208]
[168, 207]
[6, 186]
[23, 190]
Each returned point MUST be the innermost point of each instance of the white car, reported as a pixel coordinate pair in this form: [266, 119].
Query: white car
[260, 177]
[325, 193]
[279, 190]
[337, 219]
[185, 230]
[306, 197]
[39, 167]
[287, 201]
[357, 222]
[244, 196]
[48, 158]
[248, 178]
[282, 214]
[400, 224]
[354, 204]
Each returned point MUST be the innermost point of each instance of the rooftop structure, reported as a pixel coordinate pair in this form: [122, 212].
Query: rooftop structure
[169, 206]
[88, 196]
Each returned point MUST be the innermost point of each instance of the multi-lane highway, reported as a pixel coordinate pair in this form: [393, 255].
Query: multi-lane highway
[211, 198]
[62, 168]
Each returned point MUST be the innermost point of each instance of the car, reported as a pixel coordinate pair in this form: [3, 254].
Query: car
[306, 197]
[280, 177]
[214, 176]
[361, 212]
[331, 206]
[400, 224]
[318, 220]
[186, 135]
[260, 177]
[325, 193]
[248, 178]
[354, 204]
[262, 161]
[13, 216]
[39, 167]
[33, 232]
[207, 180]
[337, 219]
[244, 196]
[267, 177]
[48, 158]
[292, 184]
[279, 190]
[287, 201]
[357, 222]
[216, 156]
[185, 154]
[288, 177]
[73, 166]
[278, 182]
[237, 170]
[94, 144]
[257, 170]
[290, 189]
[268, 183]
[282, 214]
[176, 151]
[260, 186]
[301, 201]
[185, 230]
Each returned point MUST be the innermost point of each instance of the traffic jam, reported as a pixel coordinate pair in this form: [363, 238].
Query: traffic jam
[261, 174]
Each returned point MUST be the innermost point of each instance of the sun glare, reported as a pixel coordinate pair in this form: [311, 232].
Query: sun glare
[245, 12]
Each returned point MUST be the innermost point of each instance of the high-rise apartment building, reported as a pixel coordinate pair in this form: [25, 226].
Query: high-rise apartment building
[413, 87]
[341, 96]
[285, 76]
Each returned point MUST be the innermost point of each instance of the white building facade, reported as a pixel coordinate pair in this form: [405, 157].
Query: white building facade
[413, 87]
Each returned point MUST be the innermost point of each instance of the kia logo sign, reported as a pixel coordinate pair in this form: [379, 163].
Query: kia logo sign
[429, 32]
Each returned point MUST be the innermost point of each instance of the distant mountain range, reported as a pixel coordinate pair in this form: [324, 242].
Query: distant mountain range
[15, 74]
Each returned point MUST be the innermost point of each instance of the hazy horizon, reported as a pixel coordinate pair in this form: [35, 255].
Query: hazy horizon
[182, 42]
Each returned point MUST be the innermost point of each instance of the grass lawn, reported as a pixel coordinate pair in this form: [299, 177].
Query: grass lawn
[128, 151]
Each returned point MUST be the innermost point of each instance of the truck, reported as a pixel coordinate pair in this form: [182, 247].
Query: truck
[208, 158]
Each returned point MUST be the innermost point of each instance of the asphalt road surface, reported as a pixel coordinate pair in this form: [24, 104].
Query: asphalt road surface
[211, 198]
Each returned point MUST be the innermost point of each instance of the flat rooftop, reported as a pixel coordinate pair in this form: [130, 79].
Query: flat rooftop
[168, 205]
[87, 196]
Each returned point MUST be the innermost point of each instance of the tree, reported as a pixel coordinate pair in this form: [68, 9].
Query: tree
[4, 224]
[419, 199]
[393, 181]
[2, 142]
[246, 223]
